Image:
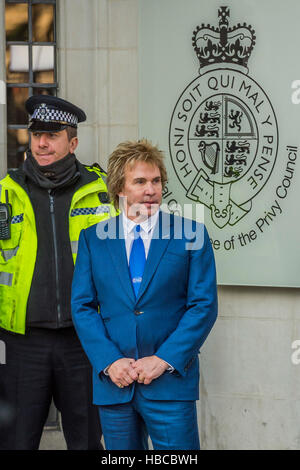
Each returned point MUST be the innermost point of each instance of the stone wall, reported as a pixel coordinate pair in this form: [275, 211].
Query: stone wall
[98, 70]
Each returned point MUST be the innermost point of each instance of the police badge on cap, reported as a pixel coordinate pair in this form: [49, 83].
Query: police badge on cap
[51, 114]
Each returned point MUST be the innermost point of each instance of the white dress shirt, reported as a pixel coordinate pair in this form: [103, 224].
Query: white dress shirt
[146, 232]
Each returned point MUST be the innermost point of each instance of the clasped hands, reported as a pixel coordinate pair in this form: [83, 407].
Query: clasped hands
[125, 371]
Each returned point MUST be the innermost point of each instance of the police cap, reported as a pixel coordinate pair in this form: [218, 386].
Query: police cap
[52, 114]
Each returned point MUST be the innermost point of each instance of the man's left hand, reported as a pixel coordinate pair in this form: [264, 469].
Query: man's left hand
[149, 368]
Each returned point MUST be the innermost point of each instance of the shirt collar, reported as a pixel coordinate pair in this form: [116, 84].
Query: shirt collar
[147, 225]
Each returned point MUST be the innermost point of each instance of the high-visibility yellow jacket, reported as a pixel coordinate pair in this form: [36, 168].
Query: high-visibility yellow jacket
[18, 253]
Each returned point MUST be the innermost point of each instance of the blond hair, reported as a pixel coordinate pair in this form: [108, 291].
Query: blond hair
[127, 154]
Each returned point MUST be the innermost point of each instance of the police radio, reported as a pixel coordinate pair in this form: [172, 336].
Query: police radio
[5, 218]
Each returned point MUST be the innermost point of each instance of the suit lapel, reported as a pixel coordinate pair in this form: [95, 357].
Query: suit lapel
[116, 247]
[160, 240]
[117, 250]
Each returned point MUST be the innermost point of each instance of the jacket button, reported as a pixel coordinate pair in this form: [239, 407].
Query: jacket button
[138, 312]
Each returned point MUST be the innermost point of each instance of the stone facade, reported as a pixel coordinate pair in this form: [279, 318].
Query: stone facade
[98, 69]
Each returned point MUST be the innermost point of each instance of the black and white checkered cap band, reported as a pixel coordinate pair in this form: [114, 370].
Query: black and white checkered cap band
[48, 114]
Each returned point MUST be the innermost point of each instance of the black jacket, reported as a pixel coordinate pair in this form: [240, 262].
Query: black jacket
[49, 302]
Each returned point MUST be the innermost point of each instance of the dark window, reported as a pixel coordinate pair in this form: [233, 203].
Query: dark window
[30, 65]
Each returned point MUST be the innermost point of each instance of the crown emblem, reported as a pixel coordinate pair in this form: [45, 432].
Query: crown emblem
[223, 45]
[43, 109]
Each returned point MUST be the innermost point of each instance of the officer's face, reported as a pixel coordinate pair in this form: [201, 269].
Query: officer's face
[142, 191]
[48, 147]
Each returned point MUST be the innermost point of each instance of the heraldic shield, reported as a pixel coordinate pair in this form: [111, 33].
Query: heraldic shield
[223, 144]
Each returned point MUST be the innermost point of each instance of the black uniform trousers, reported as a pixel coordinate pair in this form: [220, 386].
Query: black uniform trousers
[40, 366]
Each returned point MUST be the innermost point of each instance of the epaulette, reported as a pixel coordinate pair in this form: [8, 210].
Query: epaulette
[103, 196]
[96, 167]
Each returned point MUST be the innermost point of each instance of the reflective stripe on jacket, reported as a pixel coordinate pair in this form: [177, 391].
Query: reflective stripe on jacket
[18, 254]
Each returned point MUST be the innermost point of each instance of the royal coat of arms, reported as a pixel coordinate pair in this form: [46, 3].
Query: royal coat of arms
[223, 135]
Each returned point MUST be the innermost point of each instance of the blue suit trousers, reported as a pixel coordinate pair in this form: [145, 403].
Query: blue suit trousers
[171, 425]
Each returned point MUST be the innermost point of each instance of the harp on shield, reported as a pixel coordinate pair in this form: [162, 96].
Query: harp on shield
[210, 155]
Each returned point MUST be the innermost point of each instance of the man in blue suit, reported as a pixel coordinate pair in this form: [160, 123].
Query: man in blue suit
[144, 300]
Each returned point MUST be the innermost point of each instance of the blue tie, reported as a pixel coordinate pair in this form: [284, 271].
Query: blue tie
[137, 260]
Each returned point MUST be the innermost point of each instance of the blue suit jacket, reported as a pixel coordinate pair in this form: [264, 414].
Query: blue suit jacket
[171, 318]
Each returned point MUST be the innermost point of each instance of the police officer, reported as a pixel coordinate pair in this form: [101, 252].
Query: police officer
[44, 206]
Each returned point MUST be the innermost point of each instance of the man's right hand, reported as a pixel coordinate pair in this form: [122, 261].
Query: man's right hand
[122, 373]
